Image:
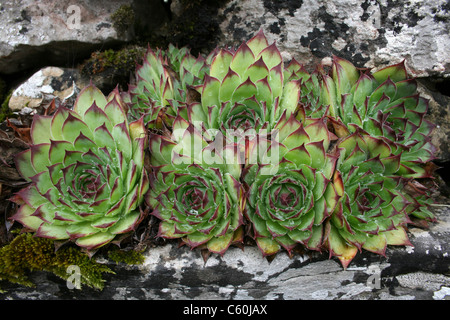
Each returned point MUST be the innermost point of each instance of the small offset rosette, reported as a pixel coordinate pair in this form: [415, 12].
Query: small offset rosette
[163, 82]
[86, 168]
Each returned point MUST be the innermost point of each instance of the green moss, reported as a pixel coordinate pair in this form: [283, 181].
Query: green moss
[122, 61]
[4, 108]
[27, 253]
[2, 89]
[123, 19]
[130, 257]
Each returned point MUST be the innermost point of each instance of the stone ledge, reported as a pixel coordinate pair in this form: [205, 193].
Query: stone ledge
[172, 273]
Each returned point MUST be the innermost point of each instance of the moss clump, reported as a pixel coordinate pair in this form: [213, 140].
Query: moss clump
[121, 61]
[4, 100]
[123, 19]
[113, 67]
[27, 253]
[130, 257]
[4, 107]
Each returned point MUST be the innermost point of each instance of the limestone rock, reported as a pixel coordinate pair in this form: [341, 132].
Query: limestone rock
[366, 32]
[49, 32]
[50, 81]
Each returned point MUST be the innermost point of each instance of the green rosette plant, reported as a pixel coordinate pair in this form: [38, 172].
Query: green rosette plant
[386, 105]
[195, 189]
[289, 189]
[86, 172]
[373, 210]
[245, 88]
[164, 81]
[310, 99]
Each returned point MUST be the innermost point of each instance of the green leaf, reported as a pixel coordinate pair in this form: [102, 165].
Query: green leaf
[268, 246]
[95, 241]
[220, 244]
[257, 71]
[338, 246]
[125, 224]
[72, 127]
[328, 94]
[290, 98]
[40, 129]
[376, 244]
[40, 156]
[242, 59]
[122, 139]
[258, 43]
[244, 91]
[52, 231]
[229, 85]
[221, 64]
[345, 75]
[210, 93]
[315, 242]
[87, 97]
[272, 56]
[396, 72]
[363, 89]
[387, 88]
[397, 237]
[24, 216]
[23, 164]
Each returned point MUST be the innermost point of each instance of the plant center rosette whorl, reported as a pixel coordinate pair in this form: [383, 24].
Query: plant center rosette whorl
[289, 188]
[373, 210]
[195, 189]
[245, 88]
[86, 171]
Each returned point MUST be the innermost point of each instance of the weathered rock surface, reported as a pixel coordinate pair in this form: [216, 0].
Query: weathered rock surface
[60, 33]
[368, 33]
[52, 82]
[172, 273]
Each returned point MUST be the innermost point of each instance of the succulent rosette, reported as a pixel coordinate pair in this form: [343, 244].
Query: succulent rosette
[373, 209]
[245, 88]
[195, 189]
[86, 169]
[164, 82]
[386, 105]
[289, 188]
[310, 100]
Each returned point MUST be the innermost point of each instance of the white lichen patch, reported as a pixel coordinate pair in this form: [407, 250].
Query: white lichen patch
[423, 280]
[442, 294]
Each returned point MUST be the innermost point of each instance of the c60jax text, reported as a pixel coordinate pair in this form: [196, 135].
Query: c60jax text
[232, 309]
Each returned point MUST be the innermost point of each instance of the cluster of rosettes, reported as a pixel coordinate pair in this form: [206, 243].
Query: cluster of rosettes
[239, 144]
